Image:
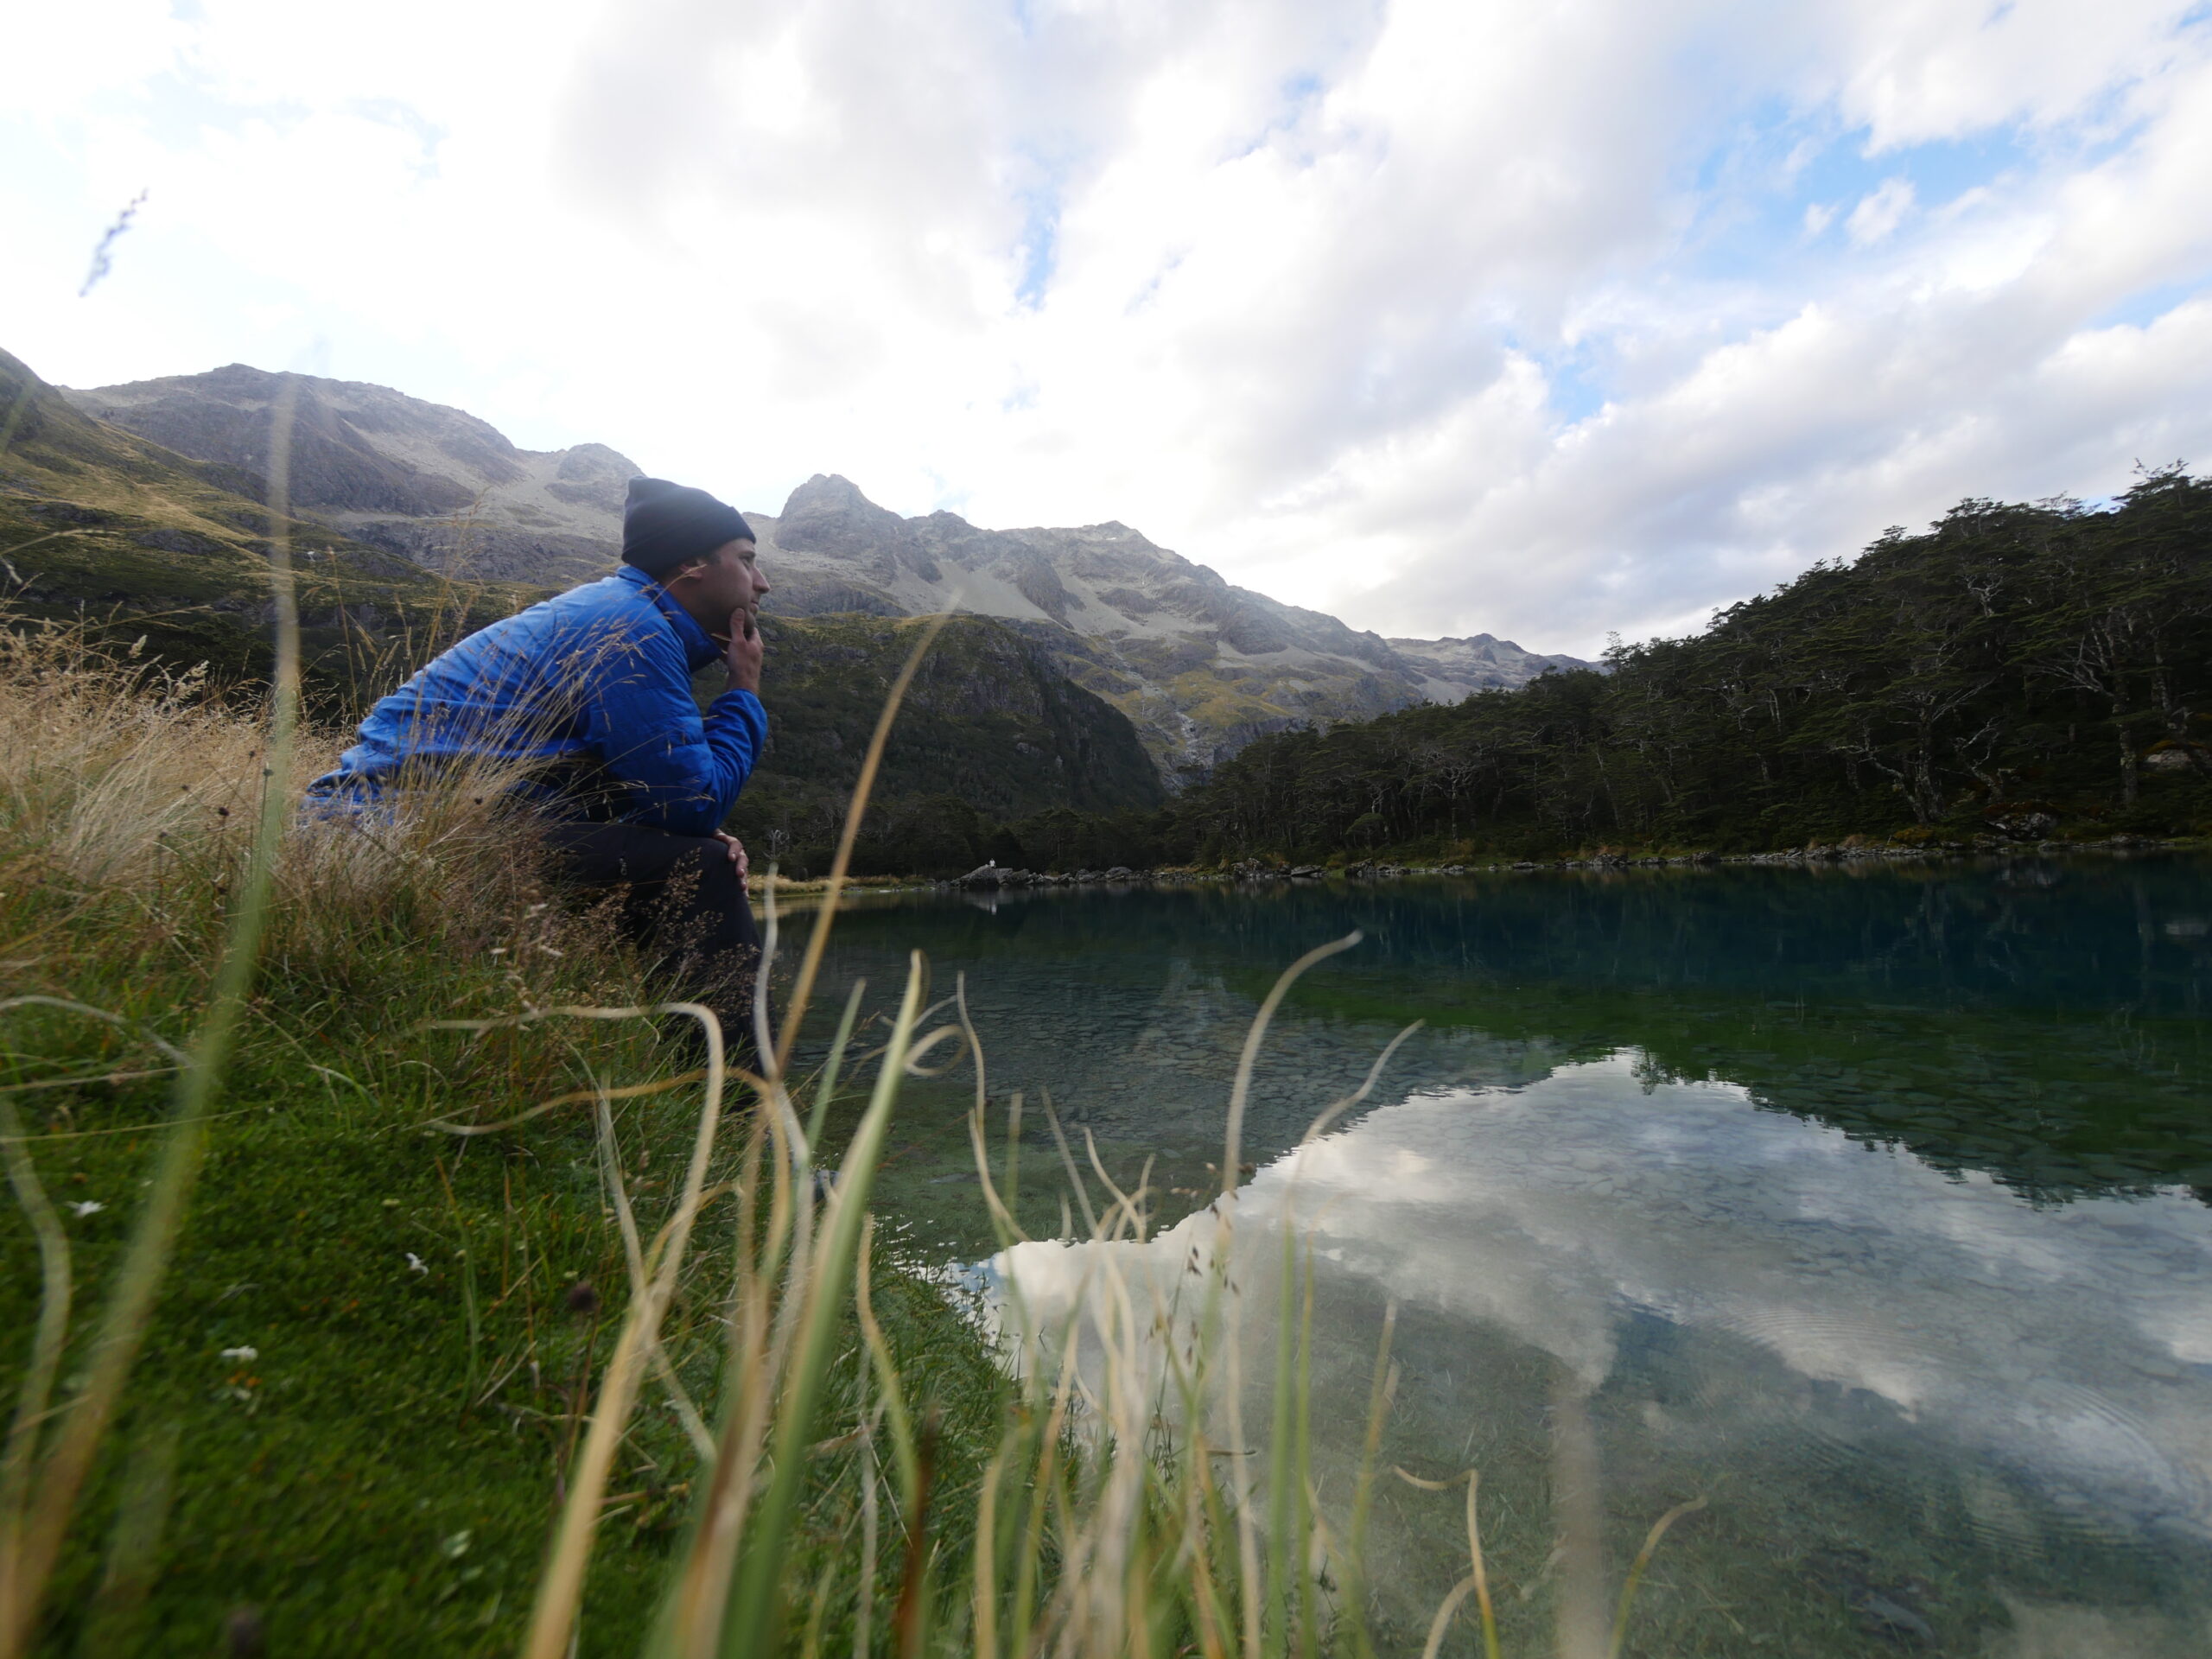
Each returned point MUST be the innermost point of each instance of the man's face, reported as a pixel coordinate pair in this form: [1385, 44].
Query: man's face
[728, 580]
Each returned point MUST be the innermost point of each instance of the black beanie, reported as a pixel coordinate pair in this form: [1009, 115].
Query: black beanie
[664, 524]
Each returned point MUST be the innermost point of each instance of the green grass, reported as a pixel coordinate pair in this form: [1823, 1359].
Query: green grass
[383, 1469]
[329, 1479]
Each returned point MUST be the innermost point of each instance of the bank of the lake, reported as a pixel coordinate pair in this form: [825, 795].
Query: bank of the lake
[993, 877]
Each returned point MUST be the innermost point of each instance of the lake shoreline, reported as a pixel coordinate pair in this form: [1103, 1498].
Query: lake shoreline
[1254, 871]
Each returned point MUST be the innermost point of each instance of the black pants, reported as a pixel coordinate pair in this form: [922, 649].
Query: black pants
[680, 899]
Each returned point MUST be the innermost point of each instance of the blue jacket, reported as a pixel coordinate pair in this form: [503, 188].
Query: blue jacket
[595, 683]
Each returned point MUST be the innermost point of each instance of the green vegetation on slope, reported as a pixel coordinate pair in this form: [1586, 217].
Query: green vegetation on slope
[131, 541]
[2017, 672]
[991, 731]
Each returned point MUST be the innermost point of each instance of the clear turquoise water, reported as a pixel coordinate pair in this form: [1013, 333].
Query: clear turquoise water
[1868, 1204]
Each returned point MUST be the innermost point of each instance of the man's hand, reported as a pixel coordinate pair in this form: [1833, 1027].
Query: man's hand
[741, 656]
[735, 847]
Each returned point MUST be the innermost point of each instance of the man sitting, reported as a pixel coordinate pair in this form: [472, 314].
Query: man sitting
[590, 694]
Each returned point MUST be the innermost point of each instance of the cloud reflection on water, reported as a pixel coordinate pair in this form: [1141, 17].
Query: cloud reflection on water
[2055, 1360]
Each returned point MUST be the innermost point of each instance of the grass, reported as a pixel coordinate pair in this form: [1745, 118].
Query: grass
[498, 1324]
[372, 1354]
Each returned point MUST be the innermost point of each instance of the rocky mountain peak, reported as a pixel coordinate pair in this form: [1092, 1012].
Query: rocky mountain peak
[434, 484]
[1482, 661]
[1199, 664]
[593, 476]
[833, 495]
[828, 514]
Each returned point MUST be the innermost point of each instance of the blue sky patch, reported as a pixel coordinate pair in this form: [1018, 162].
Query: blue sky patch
[2141, 309]
[1040, 247]
[1778, 192]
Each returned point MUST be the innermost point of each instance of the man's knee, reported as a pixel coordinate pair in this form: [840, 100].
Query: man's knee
[703, 895]
[628, 855]
[703, 872]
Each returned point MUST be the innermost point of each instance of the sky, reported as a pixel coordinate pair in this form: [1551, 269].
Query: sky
[1548, 320]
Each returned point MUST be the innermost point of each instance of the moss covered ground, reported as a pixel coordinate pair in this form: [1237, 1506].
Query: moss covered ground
[377, 1343]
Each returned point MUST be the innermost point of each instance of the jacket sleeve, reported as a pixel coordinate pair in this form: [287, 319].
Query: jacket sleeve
[683, 771]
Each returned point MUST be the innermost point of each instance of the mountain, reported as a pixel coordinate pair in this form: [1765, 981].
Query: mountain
[106, 529]
[1201, 667]
[991, 732]
[102, 528]
[1482, 662]
[432, 484]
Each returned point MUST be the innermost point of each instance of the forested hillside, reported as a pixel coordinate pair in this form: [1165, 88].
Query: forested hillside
[2017, 672]
[991, 730]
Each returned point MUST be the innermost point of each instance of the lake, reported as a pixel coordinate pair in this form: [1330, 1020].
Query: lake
[1866, 1201]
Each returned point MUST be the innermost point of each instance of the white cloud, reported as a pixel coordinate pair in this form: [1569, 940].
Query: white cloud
[1450, 319]
[1878, 215]
[83, 52]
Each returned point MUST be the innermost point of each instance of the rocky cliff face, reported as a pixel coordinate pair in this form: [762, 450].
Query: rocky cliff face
[1199, 666]
[443, 488]
[144, 548]
[1481, 662]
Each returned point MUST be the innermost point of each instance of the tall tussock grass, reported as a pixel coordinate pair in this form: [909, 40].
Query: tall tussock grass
[1105, 1489]
[126, 787]
[46, 1471]
[152, 866]
[103, 758]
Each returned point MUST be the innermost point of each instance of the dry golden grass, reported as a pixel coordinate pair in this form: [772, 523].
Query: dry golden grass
[128, 788]
[103, 761]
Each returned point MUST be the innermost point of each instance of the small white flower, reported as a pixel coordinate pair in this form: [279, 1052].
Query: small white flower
[241, 1353]
[417, 1262]
[88, 1207]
